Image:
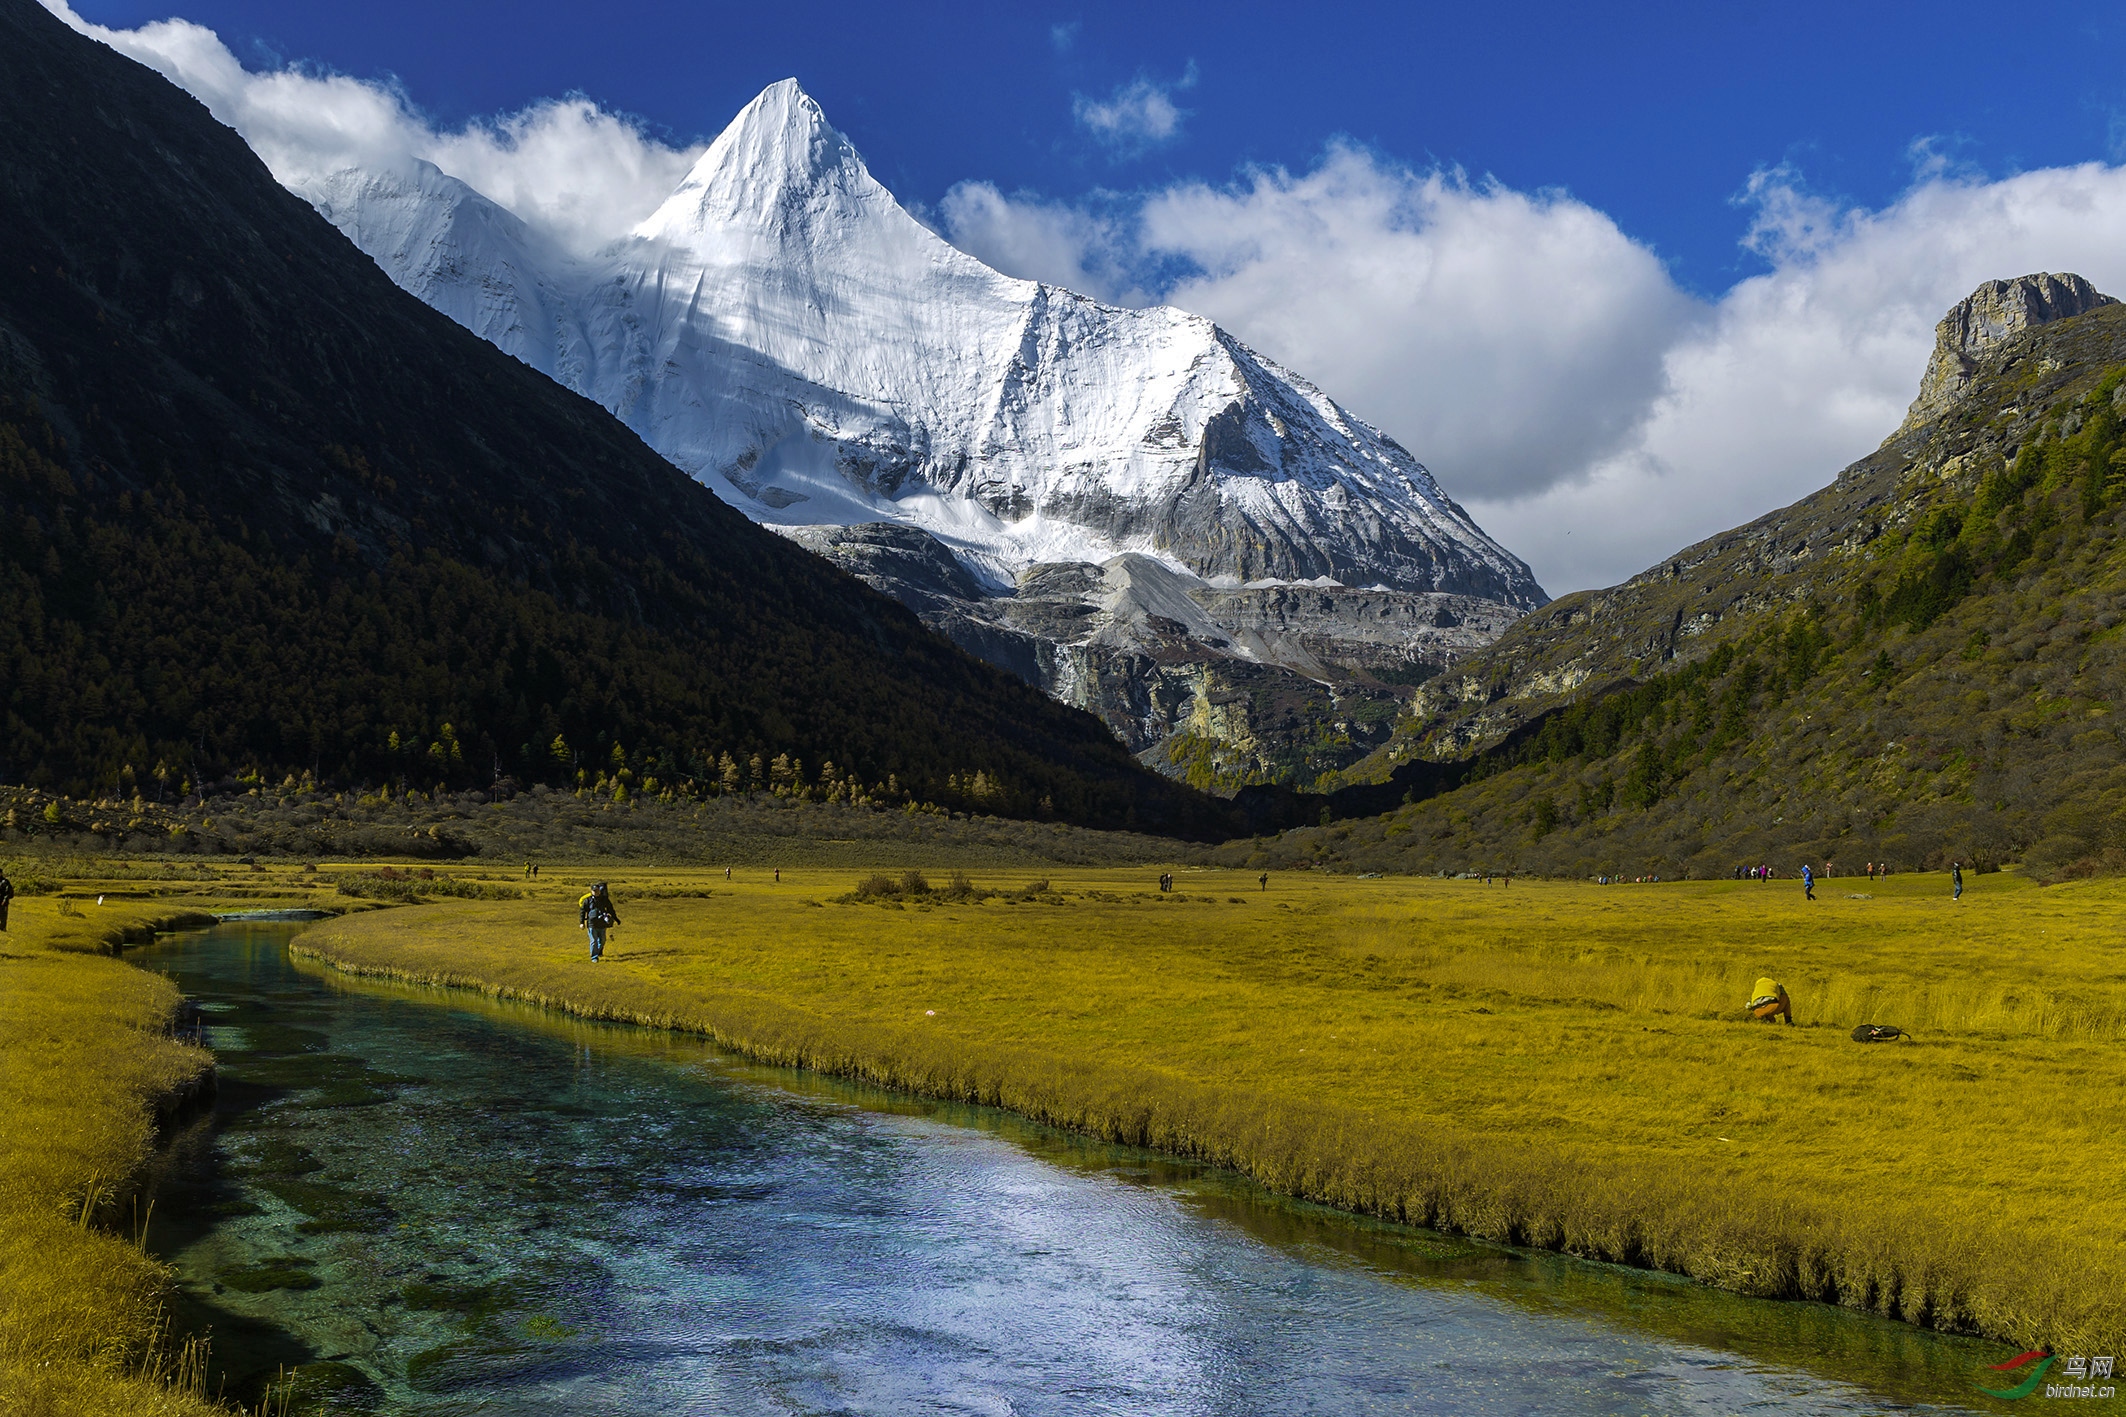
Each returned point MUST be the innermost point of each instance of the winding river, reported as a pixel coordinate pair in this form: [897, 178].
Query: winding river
[427, 1202]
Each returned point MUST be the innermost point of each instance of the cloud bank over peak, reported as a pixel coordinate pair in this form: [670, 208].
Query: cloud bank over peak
[1590, 412]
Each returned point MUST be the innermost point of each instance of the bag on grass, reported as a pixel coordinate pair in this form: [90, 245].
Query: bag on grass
[1878, 1033]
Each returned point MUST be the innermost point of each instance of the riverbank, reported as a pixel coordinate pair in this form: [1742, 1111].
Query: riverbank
[88, 1067]
[1556, 1065]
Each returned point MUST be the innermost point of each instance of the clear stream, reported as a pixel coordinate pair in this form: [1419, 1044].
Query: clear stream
[427, 1202]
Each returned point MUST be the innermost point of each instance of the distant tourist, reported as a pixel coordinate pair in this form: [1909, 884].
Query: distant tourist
[778, 875]
[527, 870]
[596, 912]
[1956, 879]
[7, 893]
[1265, 880]
[1808, 882]
[727, 873]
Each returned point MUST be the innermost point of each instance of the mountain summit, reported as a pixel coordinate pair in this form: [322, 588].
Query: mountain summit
[778, 166]
[1977, 325]
[784, 331]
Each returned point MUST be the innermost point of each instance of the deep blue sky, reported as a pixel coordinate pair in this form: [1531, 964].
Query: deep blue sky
[1656, 114]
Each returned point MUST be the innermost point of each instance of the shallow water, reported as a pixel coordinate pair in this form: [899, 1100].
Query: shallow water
[433, 1203]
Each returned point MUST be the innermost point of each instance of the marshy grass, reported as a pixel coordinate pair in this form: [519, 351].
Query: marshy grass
[87, 1064]
[1551, 1064]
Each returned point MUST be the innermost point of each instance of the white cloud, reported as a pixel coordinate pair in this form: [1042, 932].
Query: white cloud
[1137, 117]
[1808, 367]
[1591, 414]
[569, 168]
[1521, 333]
[1024, 236]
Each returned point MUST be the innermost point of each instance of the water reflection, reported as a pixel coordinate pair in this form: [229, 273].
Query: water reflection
[448, 1204]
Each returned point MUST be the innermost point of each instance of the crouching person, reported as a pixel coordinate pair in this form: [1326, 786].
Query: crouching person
[1770, 1001]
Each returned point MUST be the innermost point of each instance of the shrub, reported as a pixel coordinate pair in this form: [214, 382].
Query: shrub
[878, 886]
[409, 888]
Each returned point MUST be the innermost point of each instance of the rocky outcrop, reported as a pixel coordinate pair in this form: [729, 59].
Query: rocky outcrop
[1977, 325]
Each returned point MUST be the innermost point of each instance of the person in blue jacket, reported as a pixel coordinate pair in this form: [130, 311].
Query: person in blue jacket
[1808, 883]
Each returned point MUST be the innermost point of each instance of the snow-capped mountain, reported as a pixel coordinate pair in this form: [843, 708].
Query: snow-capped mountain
[783, 330]
[1043, 477]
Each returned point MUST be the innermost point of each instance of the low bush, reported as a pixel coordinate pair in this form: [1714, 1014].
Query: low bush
[412, 887]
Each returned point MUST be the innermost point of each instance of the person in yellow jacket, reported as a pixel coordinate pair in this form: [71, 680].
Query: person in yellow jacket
[1769, 1001]
[595, 910]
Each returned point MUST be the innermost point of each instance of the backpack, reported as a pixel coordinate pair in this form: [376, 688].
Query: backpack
[1878, 1033]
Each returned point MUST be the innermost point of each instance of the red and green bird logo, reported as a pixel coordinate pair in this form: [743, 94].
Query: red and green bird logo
[2027, 1385]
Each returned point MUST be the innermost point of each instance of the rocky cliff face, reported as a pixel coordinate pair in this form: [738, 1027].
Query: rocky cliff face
[1976, 326]
[1227, 684]
[2018, 357]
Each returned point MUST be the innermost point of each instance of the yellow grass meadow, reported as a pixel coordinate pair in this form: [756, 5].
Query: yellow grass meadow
[1553, 1064]
[87, 1066]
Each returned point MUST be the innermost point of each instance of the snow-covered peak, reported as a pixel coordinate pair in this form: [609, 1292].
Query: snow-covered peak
[779, 169]
[784, 331]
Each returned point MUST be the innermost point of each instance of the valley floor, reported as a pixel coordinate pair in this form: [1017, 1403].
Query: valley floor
[1560, 1065]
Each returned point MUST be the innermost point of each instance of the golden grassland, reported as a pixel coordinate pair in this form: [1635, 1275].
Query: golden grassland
[87, 1064]
[1552, 1064]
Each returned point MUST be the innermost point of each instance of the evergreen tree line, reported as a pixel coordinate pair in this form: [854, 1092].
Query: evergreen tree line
[146, 652]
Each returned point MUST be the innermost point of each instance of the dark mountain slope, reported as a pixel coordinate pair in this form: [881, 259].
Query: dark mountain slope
[1921, 661]
[259, 508]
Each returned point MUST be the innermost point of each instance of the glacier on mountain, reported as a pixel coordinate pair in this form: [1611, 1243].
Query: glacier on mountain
[784, 331]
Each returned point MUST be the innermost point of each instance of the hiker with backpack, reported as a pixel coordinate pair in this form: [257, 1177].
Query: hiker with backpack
[595, 910]
[1808, 882]
[7, 894]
